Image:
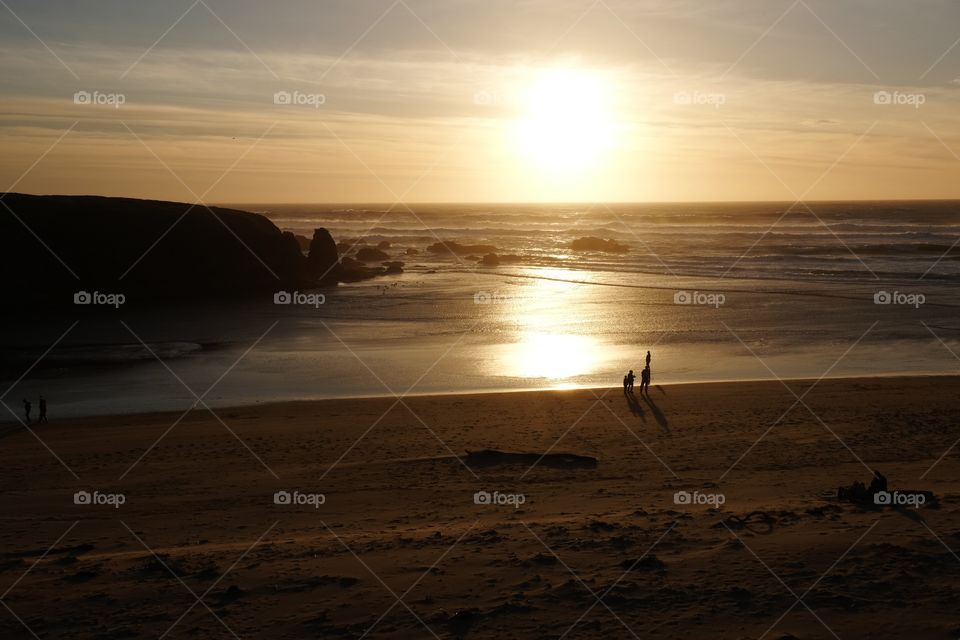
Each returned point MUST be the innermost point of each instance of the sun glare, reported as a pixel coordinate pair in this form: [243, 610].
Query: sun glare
[552, 356]
[569, 122]
[549, 345]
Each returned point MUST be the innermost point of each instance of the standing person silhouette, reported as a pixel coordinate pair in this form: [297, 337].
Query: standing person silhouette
[26, 409]
[626, 383]
[42, 418]
[630, 379]
[645, 380]
[878, 484]
[648, 359]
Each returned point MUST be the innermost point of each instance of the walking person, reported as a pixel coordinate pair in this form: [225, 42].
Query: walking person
[26, 409]
[42, 418]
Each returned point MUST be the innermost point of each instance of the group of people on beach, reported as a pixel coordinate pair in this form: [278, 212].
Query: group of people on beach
[644, 379]
[858, 492]
[28, 407]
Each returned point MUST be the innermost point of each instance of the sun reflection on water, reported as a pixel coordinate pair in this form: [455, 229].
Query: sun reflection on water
[549, 342]
[554, 356]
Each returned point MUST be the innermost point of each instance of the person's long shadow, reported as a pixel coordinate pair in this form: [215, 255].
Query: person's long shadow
[657, 414]
[635, 407]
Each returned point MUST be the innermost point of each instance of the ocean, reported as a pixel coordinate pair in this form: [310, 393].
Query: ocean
[721, 291]
[848, 241]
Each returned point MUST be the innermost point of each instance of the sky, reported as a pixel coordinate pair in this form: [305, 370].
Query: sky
[243, 101]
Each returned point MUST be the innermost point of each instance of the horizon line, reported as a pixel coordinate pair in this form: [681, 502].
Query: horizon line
[381, 203]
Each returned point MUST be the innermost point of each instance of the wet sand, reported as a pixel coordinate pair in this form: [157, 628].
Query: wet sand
[400, 549]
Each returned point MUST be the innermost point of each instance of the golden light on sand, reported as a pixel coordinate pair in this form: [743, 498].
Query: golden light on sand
[569, 123]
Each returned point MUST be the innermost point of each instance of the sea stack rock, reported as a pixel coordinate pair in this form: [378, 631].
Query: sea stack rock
[323, 261]
[369, 254]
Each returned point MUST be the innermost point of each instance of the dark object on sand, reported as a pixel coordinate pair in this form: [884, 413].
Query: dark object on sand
[460, 622]
[491, 457]
[646, 563]
[755, 521]
[878, 495]
[856, 492]
[859, 494]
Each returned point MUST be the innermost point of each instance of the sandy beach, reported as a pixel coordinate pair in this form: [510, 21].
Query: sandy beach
[383, 536]
[232, 232]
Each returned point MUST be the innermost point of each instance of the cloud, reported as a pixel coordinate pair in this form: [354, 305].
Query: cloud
[406, 94]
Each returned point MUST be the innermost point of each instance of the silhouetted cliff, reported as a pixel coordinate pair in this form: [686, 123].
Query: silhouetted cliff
[52, 246]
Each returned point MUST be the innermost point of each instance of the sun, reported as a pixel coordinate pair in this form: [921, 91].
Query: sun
[569, 123]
